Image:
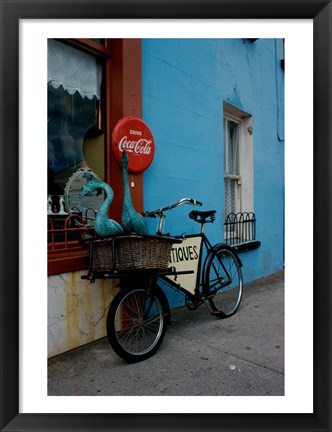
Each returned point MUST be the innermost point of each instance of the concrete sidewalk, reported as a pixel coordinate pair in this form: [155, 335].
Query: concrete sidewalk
[200, 355]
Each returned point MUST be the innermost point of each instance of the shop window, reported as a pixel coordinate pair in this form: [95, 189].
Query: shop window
[238, 176]
[76, 144]
[75, 137]
[90, 87]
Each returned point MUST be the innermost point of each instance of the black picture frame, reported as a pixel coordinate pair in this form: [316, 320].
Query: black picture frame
[11, 12]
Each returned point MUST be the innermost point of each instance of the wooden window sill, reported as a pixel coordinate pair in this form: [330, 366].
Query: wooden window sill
[72, 257]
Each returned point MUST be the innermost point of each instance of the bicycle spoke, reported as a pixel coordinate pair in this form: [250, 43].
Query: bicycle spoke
[141, 323]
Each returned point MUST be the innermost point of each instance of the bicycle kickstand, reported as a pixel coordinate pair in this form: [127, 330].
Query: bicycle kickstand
[213, 312]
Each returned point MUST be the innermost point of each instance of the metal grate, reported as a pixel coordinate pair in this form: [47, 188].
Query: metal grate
[240, 228]
[66, 232]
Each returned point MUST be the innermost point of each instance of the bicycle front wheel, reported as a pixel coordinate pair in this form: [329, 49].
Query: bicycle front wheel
[136, 324]
[223, 281]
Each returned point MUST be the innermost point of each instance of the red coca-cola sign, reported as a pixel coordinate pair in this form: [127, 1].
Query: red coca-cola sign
[134, 136]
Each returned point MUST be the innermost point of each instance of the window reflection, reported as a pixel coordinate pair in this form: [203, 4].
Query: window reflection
[70, 117]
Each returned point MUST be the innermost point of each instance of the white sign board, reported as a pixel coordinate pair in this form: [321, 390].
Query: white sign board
[184, 257]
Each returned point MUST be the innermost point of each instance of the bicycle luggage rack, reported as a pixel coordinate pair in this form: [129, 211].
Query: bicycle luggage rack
[130, 255]
[118, 274]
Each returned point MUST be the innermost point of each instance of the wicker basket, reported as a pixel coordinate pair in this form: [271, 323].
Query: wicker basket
[132, 252]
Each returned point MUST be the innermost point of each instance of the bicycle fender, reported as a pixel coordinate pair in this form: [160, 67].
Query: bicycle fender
[129, 283]
[226, 246]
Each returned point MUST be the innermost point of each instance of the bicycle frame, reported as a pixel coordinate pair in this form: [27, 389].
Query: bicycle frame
[186, 259]
[192, 270]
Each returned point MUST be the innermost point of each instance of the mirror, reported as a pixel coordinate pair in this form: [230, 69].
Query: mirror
[88, 205]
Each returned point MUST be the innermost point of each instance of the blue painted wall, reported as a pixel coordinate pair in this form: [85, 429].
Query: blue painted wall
[185, 82]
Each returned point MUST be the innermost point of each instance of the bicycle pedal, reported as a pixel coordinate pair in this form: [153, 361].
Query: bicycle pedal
[217, 314]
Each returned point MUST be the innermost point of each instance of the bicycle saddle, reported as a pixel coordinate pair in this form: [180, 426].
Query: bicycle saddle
[202, 216]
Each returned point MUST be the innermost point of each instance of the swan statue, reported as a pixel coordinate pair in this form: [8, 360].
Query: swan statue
[132, 221]
[103, 226]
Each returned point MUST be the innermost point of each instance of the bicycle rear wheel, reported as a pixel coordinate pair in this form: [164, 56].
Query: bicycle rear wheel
[223, 281]
[136, 324]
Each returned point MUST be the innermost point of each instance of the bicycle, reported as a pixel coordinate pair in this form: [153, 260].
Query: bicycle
[139, 312]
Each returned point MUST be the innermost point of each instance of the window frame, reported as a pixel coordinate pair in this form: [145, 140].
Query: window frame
[91, 47]
[232, 176]
[244, 200]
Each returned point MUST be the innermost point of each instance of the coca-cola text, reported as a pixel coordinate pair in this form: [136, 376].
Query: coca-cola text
[142, 146]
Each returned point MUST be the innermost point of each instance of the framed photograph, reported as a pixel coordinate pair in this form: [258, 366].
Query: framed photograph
[25, 28]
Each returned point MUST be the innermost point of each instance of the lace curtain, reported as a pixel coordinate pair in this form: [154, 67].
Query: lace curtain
[73, 69]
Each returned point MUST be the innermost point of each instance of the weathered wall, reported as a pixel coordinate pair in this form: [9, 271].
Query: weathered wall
[77, 311]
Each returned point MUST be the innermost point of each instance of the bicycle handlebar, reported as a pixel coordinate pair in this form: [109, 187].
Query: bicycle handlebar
[160, 212]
